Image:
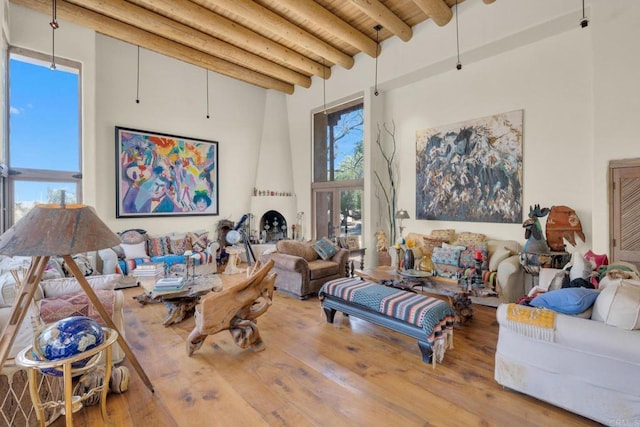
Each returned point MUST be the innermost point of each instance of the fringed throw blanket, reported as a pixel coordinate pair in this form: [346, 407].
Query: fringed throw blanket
[434, 316]
[538, 323]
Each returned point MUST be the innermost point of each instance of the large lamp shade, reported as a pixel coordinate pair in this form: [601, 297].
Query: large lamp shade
[51, 230]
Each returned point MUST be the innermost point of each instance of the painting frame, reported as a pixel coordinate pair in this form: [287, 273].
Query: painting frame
[165, 175]
[471, 171]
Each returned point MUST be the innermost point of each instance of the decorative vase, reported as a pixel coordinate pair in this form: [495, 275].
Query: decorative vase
[409, 259]
[426, 264]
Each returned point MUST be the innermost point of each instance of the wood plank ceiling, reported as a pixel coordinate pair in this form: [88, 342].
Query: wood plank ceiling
[273, 44]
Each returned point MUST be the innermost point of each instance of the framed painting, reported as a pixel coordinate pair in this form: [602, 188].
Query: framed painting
[471, 171]
[165, 175]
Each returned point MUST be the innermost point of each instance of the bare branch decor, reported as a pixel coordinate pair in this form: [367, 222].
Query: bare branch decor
[390, 196]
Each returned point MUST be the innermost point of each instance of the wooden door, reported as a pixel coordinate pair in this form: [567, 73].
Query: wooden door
[624, 212]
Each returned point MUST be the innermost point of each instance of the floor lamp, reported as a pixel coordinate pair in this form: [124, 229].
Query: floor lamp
[53, 230]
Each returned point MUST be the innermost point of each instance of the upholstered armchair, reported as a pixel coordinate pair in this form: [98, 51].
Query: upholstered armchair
[301, 271]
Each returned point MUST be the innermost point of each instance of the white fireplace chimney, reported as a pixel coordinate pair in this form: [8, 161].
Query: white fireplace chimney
[273, 190]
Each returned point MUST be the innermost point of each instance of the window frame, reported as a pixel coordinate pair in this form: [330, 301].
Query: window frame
[335, 187]
[33, 174]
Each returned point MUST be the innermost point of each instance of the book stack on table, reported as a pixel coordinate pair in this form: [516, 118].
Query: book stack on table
[150, 270]
[169, 284]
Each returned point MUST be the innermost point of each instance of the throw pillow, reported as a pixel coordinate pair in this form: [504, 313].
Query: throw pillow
[133, 236]
[449, 256]
[619, 305]
[324, 248]
[466, 238]
[83, 264]
[159, 246]
[447, 235]
[179, 245]
[596, 260]
[498, 256]
[134, 250]
[452, 246]
[566, 300]
[429, 243]
[199, 241]
[468, 256]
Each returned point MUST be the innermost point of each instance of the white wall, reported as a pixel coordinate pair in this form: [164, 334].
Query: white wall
[172, 101]
[516, 54]
[616, 67]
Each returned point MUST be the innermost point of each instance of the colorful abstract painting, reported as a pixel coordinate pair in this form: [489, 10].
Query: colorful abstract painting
[165, 175]
[471, 171]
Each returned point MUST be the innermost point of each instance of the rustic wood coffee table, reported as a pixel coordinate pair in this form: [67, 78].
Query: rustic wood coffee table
[180, 303]
[447, 289]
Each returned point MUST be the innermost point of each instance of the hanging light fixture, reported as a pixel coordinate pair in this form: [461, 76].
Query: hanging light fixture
[207, 74]
[458, 64]
[584, 21]
[54, 26]
[375, 86]
[138, 78]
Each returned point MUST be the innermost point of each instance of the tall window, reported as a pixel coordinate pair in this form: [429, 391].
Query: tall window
[338, 171]
[44, 155]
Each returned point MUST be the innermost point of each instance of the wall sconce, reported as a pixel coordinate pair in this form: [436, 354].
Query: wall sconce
[401, 215]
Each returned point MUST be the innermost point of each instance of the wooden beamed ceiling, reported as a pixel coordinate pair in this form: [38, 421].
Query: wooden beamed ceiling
[273, 44]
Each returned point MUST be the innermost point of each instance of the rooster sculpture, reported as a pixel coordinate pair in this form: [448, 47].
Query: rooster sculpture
[536, 242]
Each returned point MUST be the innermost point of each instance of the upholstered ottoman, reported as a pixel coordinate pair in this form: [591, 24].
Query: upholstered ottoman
[429, 320]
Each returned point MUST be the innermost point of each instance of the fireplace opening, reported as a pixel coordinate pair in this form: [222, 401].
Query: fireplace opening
[273, 227]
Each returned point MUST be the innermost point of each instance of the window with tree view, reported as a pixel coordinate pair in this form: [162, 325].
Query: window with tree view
[44, 132]
[338, 171]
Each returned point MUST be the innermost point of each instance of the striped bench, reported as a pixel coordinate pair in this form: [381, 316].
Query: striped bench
[429, 320]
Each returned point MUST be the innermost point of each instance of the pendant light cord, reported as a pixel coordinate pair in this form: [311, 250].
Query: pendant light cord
[458, 64]
[138, 79]
[324, 87]
[54, 26]
[207, 74]
[375, 83]
[53, 49]
[584, 21]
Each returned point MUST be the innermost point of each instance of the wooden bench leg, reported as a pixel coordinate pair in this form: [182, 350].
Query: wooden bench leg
[426, 350]
[330, 313]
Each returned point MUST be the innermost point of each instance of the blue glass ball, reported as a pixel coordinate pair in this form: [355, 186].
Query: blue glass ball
[68, 337]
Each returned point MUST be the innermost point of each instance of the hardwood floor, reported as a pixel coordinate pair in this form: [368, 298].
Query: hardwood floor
[350, 373]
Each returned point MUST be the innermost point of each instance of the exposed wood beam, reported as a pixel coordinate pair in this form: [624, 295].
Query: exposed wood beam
[157, 24]
[321, 17]
[437, 10]
[127, 33]
[385, 17]
[218, 26]
[274, 23]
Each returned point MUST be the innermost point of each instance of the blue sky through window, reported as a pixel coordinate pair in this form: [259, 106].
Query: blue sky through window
[44, 122]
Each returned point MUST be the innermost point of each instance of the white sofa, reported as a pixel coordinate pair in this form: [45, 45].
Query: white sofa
[46, 292]
[588, 366]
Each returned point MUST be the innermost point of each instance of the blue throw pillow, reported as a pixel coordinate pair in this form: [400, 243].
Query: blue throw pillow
[324, 248]
[566, 300]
